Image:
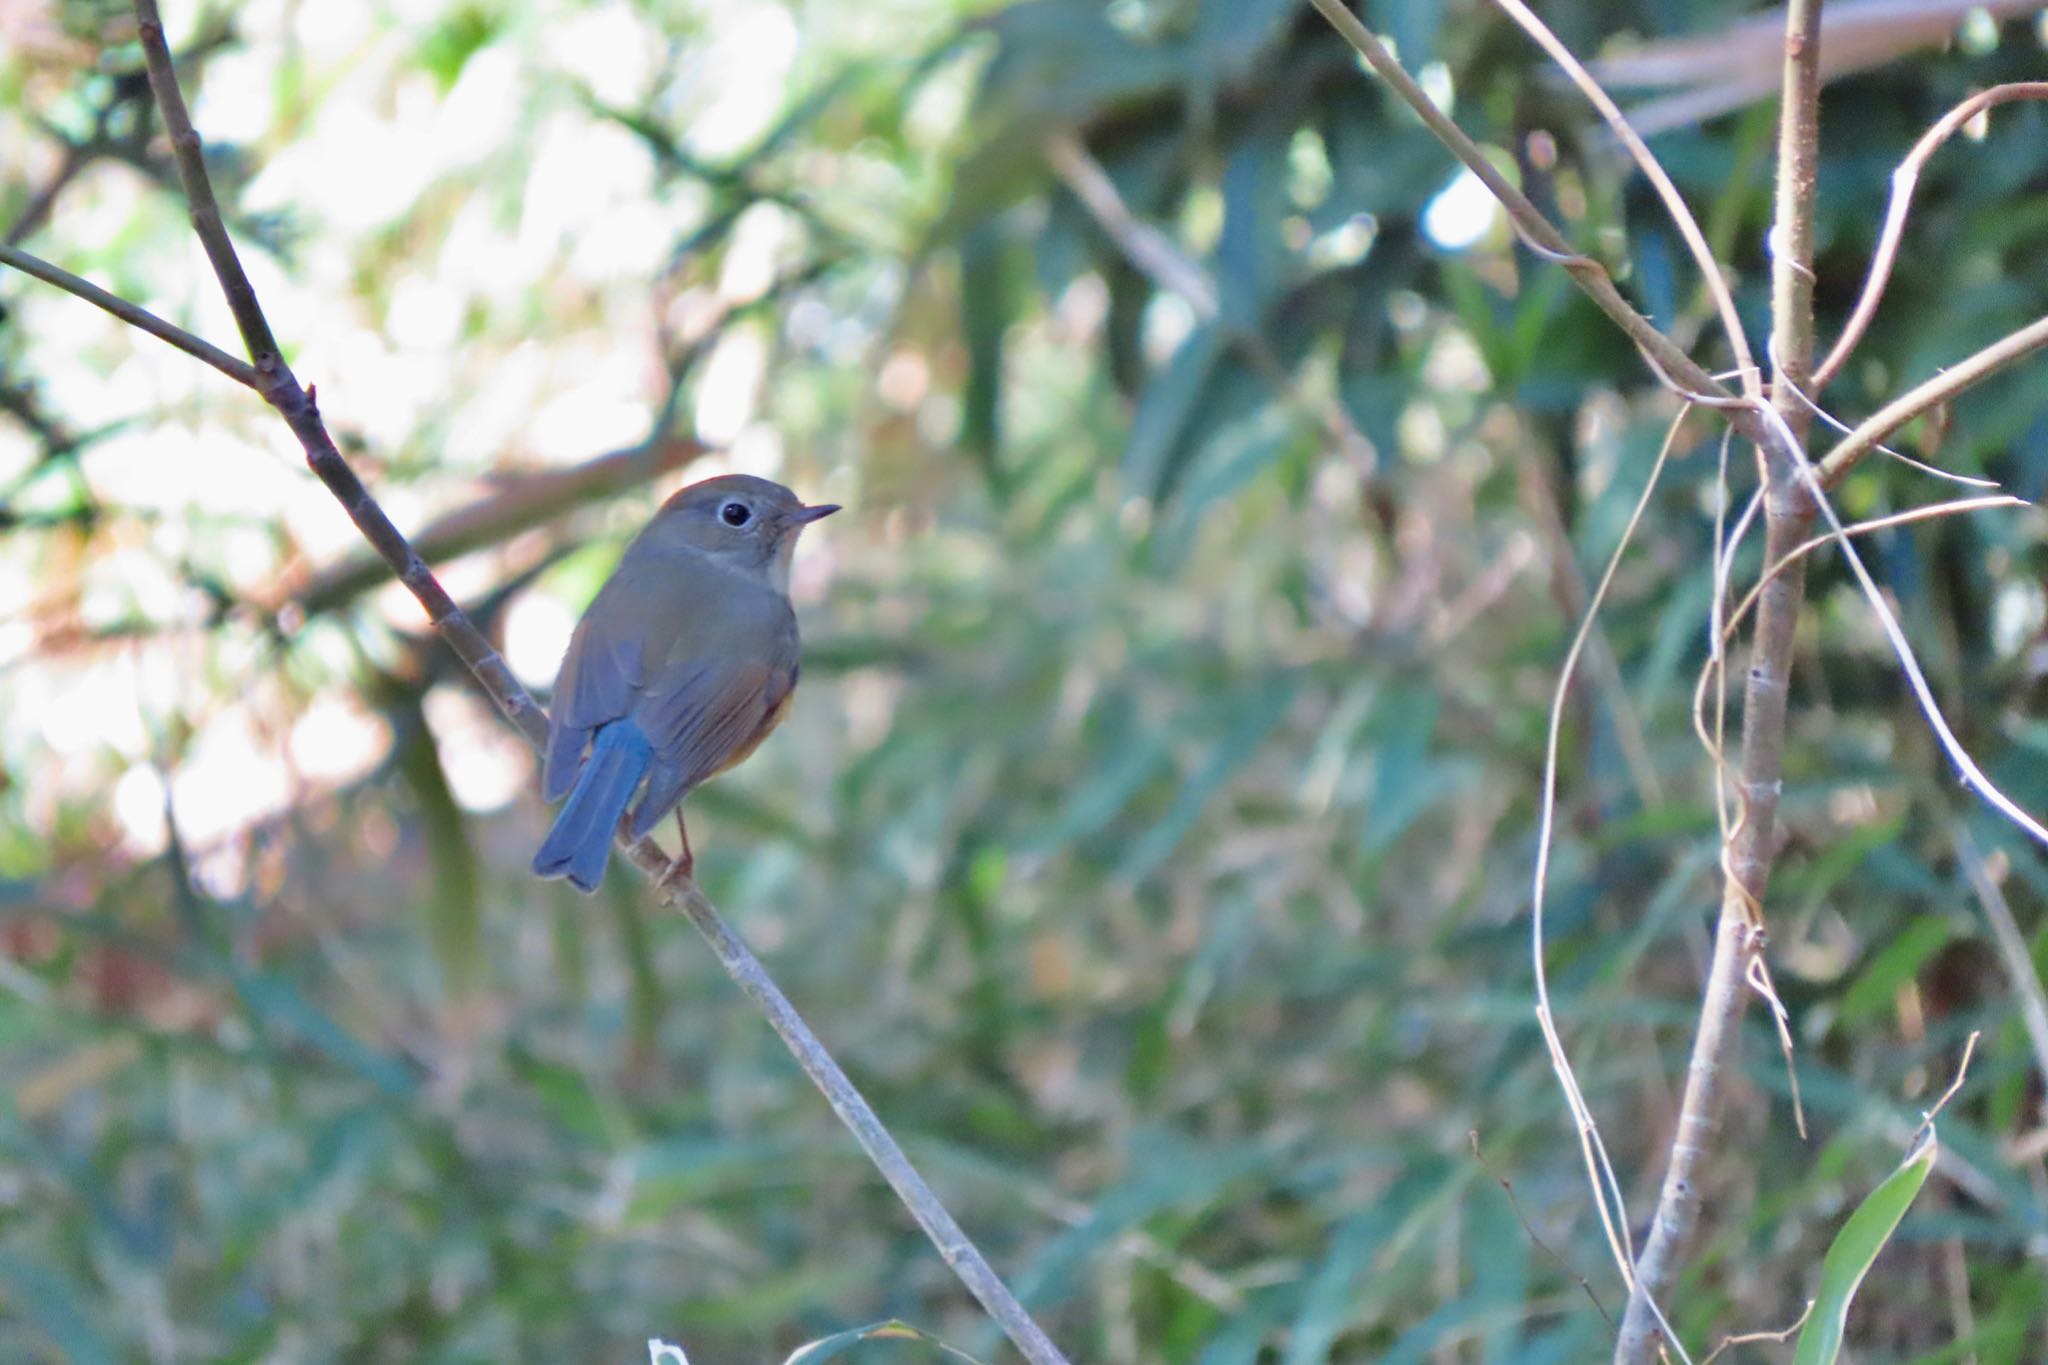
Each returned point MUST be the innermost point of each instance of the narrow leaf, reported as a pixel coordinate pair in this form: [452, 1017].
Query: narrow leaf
[1855, 1248]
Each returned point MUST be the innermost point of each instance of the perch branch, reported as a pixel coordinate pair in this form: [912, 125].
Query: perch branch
[274, 381]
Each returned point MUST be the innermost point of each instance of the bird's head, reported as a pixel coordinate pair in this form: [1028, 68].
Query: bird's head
[740, 522]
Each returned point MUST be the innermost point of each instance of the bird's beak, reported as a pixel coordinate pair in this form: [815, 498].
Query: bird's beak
[804, 516]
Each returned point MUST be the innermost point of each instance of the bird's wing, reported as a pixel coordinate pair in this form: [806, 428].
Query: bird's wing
[725, 683]
[601, 673]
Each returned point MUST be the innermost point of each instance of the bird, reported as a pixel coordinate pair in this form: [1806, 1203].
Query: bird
[683, 663]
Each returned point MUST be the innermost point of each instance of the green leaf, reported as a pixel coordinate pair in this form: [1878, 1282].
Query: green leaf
[1165, 1172]
[459, 36]
[1251, 256]
[1251, 720]
[1137, 756]
[986, 310]
[1877, 985]
[57, 1306]
[1160, 428]
[1854, 1249]
[455, 904]
[278, 1004]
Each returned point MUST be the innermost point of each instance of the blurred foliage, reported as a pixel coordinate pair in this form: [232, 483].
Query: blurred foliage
[1152, 837]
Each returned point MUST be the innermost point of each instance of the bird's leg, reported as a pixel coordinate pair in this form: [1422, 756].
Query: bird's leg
[685, 865]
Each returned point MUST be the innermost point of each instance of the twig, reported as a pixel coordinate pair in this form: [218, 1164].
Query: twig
[1792, 228]
[1508, 1189]
[2012, 946]
[1750, 1338]
[1674, 202]
[1926, 1128]
[513, 505]
[1155, 255]
[298, 406]
[1883, 523]
[1723, 69]
[199, 199]
[1714, 669]
[1972, 775]
[1904, 179]
[238, 370]
[746, 970]
[1671, 364]
[1145, 246]
[1935, 471]
[74, 160]
[1931, 393]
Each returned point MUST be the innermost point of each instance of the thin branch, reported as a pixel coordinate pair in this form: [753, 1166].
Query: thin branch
[1967, 770]
[1926, 1130]
[1792, 230]
[1145, 246]
[1528, 1231]
[2012, 946]
[74, 160]
[1904, 179]
[1947, 475]
[853, 1110]
[1779, 1334]
[1932, 393]
[1723, 69]
[515, 504]
[1726, 631]
[1674, 202]
[238, 370]
[1671, 364]
[205, 209]
[300, 411]
[1155, 255]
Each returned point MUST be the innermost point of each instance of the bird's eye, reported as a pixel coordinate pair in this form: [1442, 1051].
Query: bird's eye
[735, 514]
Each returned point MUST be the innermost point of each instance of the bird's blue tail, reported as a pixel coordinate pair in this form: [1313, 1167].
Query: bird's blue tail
[581, 838]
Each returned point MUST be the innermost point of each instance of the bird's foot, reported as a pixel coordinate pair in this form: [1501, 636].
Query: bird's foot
[684, 868]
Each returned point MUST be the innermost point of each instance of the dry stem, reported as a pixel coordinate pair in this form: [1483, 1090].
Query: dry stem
[1904, 179]
[1671, 364]
[1934, 392]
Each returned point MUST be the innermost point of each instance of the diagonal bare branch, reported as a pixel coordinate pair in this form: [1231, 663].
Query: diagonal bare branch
[300, 411]
[133, 314]
[1674, 202]
[1880, 425]
[1670, 363]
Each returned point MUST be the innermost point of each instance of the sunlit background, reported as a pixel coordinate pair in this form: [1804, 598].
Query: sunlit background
[1151, 834]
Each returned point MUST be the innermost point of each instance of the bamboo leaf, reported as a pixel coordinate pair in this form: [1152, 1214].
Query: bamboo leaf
[1853, 1251]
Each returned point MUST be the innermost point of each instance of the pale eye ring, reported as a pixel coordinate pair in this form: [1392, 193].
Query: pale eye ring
[735, 513]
